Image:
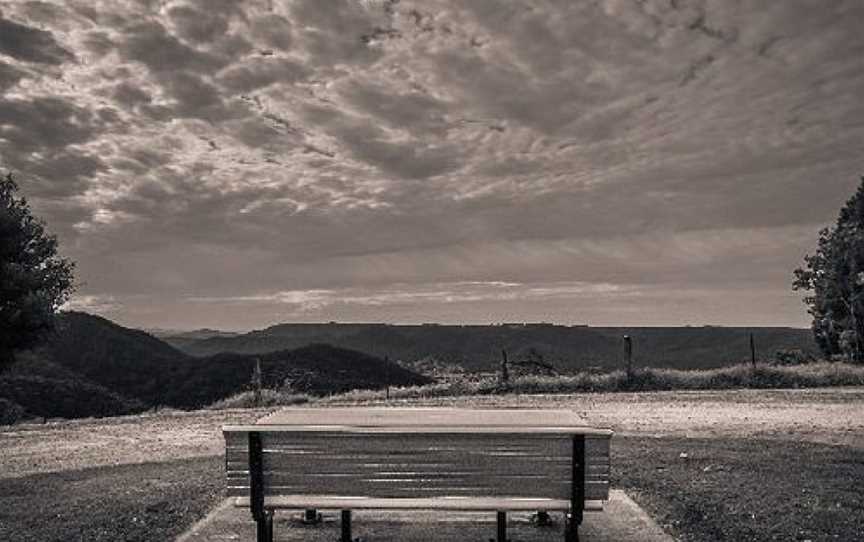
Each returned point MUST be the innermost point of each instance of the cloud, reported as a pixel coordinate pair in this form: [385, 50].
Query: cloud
[96, 304]
[152, 45]
[409, 294]
[30, 44]
[376, 149]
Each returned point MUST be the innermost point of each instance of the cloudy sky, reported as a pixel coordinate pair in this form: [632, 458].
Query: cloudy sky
[622, 162]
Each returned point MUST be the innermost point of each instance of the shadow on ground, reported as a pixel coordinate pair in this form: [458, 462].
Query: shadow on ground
[623, 521]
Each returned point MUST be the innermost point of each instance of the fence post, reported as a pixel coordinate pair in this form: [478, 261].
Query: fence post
[752, 351]
[628, 347]
[387, 377]
[257, 381]
[505, 375]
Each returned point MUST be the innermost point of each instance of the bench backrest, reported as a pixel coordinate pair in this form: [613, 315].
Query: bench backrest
[432, 462]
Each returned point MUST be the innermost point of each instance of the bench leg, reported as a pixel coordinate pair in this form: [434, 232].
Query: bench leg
[346, 526]
[571, 530]
[265, 526]
[311, 516]
[502, 526]
[542, 519]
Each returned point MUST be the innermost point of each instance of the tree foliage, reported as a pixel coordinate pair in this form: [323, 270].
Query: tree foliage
[34, 280]
[834, 280]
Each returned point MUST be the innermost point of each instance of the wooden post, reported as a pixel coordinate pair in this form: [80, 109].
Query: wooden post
[628, 348]
[387, 377]
[752, 350]
[505, 375]
[257, 381]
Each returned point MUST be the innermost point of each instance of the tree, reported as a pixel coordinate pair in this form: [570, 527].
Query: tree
[834, 276]
[34, 280]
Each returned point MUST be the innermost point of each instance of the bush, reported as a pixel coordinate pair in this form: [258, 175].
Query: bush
[10, 412]
[269, 398]
[793, 356]
[811, 375]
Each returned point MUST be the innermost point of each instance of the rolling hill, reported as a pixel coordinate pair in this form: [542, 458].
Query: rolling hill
[91, 366]
[569, 348]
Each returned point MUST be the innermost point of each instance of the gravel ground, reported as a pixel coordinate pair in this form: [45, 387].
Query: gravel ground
[824, 415]
[72, 445]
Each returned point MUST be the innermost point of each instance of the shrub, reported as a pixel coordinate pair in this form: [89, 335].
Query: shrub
[793, 356]
[648, 379]
[10, 412]
[269, 398]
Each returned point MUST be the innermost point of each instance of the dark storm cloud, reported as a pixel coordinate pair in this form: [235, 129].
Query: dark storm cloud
[30, 44]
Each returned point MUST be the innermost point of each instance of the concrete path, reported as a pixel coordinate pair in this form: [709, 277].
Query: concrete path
[622, 521]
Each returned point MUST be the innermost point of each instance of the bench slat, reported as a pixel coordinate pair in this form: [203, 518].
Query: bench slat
[315, 441]
[241, 472]
[594, 490]
[481, 504]
[235, 462]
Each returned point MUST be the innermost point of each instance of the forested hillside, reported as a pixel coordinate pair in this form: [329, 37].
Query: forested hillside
[569, 348]
[93, 367]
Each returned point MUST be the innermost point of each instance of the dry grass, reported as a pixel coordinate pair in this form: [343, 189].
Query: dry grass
[814, 375]
[267, 398]
[744, 489]
[134, 503]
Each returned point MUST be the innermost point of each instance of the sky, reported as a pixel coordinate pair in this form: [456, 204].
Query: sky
[214, 163]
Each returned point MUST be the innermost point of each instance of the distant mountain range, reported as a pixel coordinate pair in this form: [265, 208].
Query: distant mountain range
[568, 348]
[94, 367]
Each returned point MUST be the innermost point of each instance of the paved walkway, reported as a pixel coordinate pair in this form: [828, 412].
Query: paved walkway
[622, 521]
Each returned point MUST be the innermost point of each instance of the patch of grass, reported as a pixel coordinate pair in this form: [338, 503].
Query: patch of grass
[744, 489]
[813, 375]
[269, 398]
[741, 490]
[154, 501]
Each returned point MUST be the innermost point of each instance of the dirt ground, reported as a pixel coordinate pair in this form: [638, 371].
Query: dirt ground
[689, 458]
[827, 415]
[72, 445]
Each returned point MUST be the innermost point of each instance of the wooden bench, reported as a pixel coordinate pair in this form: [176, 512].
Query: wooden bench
[418, 458]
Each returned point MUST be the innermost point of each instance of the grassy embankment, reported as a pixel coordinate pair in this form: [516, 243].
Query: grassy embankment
[813, 375]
